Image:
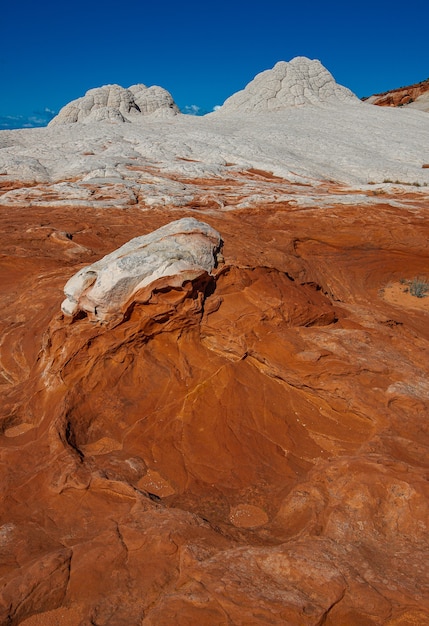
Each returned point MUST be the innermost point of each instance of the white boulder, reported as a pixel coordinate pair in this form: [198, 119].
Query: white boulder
[298, 82]
[177, 252]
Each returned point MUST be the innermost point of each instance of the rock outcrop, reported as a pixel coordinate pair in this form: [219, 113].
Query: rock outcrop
[414, 96]
[113, 103]
[300, 81]
[180, 251]
[245, 439]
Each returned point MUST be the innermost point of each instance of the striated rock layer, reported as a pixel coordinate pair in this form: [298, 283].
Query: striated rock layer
[414, 96]
[248, 447]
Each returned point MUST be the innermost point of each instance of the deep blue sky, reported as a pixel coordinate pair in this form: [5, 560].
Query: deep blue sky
[202, 52]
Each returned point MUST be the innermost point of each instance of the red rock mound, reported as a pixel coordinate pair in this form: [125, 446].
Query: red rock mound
[248, 448]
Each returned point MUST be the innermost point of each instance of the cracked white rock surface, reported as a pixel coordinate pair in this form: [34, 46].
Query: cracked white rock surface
[179, 251]
[164, 159]
[421, 102]
[301, 81]
[115, 104]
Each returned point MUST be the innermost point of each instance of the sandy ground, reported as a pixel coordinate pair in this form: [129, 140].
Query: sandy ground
[57, 617]
[398, 294]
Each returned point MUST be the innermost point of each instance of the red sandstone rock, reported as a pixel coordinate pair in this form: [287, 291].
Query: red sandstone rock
[248, 449]
[400, 96]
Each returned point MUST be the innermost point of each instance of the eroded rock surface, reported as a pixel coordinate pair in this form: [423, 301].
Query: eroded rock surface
[180, 251]
[248, 447]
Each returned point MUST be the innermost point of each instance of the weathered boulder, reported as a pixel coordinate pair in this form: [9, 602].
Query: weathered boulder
[177, 252]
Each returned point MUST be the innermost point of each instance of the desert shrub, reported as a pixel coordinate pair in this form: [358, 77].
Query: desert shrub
[418, 287]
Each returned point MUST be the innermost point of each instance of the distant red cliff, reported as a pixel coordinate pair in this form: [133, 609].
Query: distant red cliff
[401, 96]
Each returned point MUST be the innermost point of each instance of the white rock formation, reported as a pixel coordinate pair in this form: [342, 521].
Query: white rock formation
[153, 99]
[113, 103]
[163, 162]
[177, 252]
[301, 81]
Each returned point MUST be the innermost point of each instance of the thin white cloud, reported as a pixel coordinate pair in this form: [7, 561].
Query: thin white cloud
[36, 119]
[193, 109]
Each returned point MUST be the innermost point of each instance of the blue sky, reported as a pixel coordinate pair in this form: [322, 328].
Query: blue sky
[52, 53]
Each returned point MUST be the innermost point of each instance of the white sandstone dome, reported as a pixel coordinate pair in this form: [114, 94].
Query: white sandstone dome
[300, 81]
[113, 103]
[153, 99]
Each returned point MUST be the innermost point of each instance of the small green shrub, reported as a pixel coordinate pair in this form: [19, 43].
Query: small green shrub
[418, 287]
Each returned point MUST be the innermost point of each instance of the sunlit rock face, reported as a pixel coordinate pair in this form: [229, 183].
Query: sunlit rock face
[238, 436]
[289, 84]
[113, 103]
[414, 97]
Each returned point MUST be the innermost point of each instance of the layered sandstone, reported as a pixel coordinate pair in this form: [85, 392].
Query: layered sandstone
[414, 96]
[249, 446]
